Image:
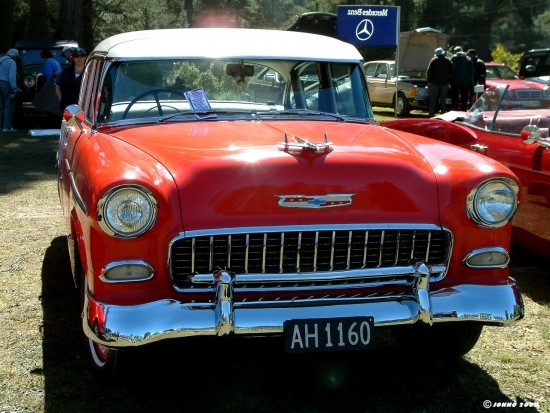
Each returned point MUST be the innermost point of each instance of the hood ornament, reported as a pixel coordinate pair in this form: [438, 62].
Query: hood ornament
[315, 201]
[302, 144]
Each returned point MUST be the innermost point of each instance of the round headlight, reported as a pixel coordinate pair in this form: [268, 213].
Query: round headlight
[493, 203]
[127, 211]
[29, 81]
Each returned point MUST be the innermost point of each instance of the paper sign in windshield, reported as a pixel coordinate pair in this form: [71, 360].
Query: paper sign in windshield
[198, 101]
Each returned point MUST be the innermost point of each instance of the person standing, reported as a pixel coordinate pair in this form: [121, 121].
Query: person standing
[462, 78]
[67, 52]
[439, 74]
[480, 72]
[8, 89]
[67, 84]
[51, 67]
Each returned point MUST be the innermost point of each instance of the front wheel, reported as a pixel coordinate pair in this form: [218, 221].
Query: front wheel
[447, 340]
[105, 362]
[402, 106]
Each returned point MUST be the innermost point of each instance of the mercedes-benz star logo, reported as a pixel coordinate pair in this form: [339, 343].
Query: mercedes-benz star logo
[364, 30]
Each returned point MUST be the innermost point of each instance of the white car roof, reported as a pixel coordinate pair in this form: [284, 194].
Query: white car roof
[222, 43]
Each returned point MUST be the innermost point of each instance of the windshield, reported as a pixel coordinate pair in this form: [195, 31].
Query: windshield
[160, 89]
[503, 110]
[500, 72]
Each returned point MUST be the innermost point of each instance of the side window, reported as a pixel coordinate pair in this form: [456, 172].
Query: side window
[88, 88]
[304, 87]
[370, 69]
[381, 71]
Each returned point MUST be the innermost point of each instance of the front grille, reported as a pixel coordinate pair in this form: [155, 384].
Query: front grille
[306, 251]
[529, 94]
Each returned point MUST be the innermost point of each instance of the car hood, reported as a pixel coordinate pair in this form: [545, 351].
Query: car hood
[241, 173]
[518, 84]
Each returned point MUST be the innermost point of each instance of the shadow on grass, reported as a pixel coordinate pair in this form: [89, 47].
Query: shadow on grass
[26, 160]
[245, 375]
[532, 274]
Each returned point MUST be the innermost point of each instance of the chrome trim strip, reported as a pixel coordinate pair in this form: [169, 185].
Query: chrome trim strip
[304, 228]
[318, 276]
[76, 195]
[123, 326]
[328, 287]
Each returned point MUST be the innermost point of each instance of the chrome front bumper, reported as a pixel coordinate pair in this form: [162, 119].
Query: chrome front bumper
[123, 326]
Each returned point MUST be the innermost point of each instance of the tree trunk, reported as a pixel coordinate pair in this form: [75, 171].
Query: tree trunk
[70, 20]
[39, 17]
[6, 25]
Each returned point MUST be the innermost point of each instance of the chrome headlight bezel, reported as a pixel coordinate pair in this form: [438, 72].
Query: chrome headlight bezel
[127, 211]
[493, 203]
[29, 81]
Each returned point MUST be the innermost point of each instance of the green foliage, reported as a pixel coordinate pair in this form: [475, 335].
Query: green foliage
[502, 55]
[541, 25]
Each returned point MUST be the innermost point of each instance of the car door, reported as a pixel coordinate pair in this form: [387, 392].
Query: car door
[377, 79]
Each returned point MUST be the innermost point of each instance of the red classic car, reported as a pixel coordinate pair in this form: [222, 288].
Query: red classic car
[514, 136]
[522, 93]
[234, 182]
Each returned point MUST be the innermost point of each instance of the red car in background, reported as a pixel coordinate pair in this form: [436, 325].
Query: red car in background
[522, 93]
[516, 136]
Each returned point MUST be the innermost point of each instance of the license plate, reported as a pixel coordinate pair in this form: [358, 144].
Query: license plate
[329, 334]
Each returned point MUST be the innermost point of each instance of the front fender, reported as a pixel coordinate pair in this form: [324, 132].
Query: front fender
[438, 129]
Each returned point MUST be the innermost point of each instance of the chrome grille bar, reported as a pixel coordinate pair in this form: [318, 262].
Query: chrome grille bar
[332, 244]
[365, 249]
[397, 245]
[382, 238]
[281, 252]
[298, 247]
[315, 250]
[264, 252]
[246, 253]
[428, 247]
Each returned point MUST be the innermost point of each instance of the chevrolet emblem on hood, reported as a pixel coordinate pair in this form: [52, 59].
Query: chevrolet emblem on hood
[315, 201]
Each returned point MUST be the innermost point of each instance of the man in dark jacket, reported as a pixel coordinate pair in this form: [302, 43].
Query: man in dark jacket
[480, 72]
[461, 81]
[439, 76]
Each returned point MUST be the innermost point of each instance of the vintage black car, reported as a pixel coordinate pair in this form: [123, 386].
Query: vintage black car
[30, 81]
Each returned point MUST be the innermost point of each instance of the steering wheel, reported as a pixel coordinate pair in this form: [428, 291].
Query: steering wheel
[155, 93]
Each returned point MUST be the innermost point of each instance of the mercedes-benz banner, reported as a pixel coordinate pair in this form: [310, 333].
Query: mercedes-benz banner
[369, 25]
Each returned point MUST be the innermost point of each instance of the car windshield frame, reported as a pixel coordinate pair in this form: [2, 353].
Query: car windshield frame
[135, 91]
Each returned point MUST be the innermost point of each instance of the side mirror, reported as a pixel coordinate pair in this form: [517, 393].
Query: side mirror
[530, 69]
[530, 134]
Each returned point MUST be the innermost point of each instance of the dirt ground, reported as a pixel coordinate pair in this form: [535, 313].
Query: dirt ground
[42, 368]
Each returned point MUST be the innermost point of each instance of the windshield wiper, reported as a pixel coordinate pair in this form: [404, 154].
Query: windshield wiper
[201, 114]
[301, 112]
